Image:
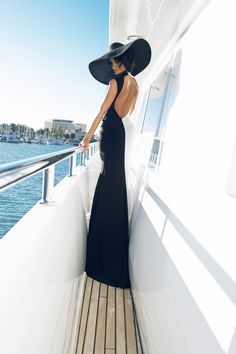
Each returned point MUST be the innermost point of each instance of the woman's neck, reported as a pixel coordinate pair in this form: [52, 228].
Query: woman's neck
[121, 72]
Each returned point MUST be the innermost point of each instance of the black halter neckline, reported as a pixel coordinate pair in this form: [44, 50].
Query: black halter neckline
[123, 72]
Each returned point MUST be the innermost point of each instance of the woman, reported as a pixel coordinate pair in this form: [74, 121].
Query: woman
[108, 236]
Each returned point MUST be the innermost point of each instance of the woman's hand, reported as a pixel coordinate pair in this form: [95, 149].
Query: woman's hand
[85, 143]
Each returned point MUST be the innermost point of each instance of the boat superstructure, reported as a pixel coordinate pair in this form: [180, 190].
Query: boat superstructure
[13, 137]
[181, 173]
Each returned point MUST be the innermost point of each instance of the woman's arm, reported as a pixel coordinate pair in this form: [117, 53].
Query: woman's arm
[104, 108]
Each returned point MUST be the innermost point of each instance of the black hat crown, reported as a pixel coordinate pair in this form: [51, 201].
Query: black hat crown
[115, 45]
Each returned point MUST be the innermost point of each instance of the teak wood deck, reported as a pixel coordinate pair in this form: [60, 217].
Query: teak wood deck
[107, 321]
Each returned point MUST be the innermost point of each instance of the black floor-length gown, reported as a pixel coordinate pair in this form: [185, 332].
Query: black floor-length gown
[108, 236]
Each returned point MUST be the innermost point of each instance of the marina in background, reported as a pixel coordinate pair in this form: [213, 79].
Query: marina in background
[16, 201]
[55, 132]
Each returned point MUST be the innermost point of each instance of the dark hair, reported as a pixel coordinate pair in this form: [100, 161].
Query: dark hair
[127, 59]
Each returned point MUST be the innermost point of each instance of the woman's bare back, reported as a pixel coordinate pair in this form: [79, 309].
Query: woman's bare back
[125, 101]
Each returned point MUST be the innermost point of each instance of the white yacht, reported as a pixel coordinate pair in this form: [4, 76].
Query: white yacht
[13, 137]
[181, 183]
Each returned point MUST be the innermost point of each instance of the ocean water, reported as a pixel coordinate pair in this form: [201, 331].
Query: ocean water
[17, 200]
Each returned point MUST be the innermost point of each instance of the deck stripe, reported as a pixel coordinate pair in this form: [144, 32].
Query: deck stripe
[96, 324]
[126, 344]
[92, 319]
[105, 336]
[85, 331]
[82, 306]
[110, 319]
[120, 322]
[115, 323]
[100, 343]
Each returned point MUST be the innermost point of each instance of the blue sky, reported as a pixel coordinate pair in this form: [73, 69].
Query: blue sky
[45, 50]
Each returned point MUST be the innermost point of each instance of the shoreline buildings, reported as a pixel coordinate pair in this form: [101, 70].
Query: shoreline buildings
[59, 131]
[66, 126]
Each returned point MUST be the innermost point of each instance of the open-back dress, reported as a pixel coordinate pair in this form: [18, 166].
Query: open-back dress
[108, 235]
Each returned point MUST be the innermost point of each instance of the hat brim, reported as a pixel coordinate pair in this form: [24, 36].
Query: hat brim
[101, 70]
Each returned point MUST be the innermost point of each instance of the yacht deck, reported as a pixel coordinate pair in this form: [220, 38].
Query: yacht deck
[107, 322]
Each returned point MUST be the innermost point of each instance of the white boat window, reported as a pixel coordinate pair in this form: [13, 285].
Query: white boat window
[152, 116]
[167, 87]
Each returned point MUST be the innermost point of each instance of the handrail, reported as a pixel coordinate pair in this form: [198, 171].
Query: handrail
[14, 172]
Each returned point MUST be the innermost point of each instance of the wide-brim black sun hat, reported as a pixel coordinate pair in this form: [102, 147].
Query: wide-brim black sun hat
[101, 69]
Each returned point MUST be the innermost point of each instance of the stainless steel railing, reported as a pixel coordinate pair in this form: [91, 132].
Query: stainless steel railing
[15, 172]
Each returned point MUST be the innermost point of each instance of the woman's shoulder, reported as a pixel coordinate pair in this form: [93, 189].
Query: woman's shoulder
[132, 80]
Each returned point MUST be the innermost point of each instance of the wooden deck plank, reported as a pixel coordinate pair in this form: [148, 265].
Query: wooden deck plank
[120, 322]
[103, 292]
[92, 320]
[110, 327]
[127, 293]
[100, 332]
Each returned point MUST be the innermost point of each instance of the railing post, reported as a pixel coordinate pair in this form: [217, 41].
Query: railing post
[72, 166]
[48, 184]
[82, 158]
